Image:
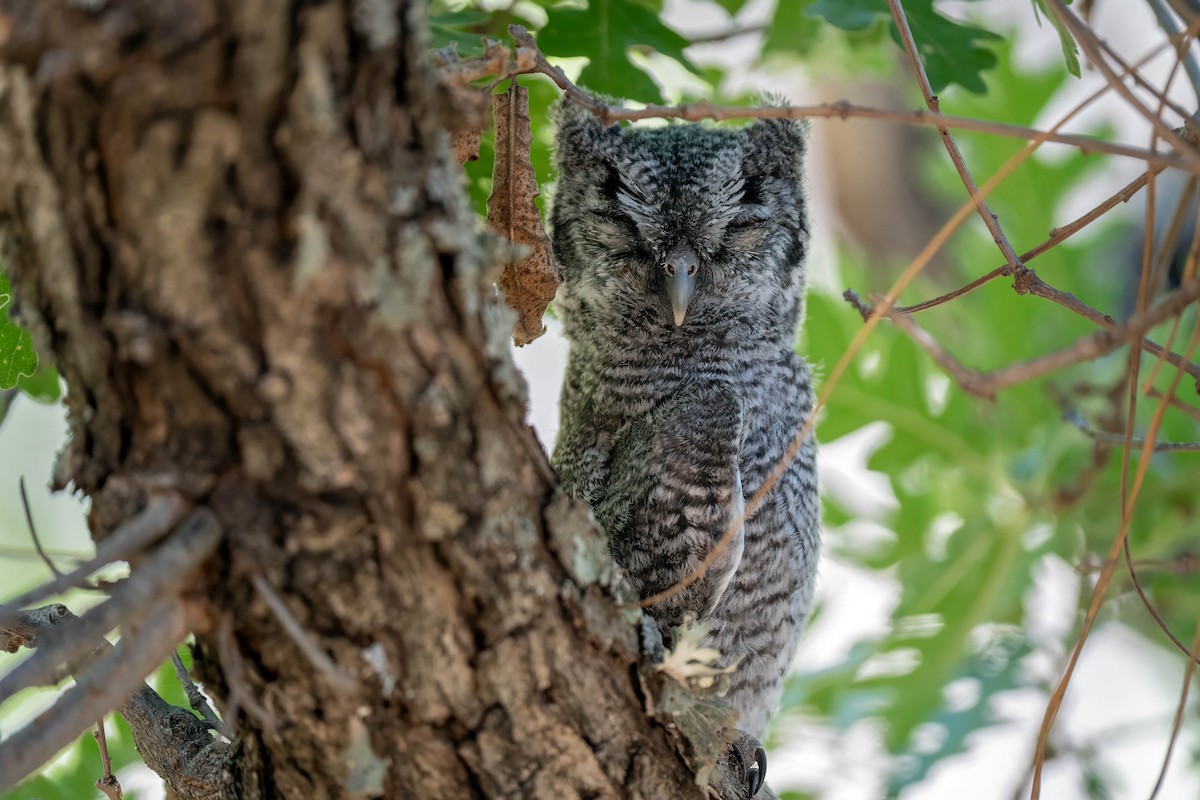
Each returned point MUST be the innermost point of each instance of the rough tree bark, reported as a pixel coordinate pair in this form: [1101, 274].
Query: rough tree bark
[237, 228]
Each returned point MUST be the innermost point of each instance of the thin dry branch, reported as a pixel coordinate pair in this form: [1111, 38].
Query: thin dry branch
[1028, 282]
[161, 513]
[1057, 236]
[1105, 578]
[108, 683]
[497, 59]
[960, 164]
[842, 109]
[988, 384]
[1146, 286]
[1177, 723]
[33, 534]
[1092, 47]
[1132, 566]
[1079, 422]
[1061, 234]
[161, 576]
[1182, 564]
[1175, 402]
[108, 782]
[196, 698]
[309, 648]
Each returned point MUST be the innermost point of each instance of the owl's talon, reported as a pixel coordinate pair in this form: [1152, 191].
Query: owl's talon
[748, 765]
[757, 774]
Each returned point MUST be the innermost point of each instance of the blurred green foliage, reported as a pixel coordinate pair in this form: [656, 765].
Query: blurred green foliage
[19, 365]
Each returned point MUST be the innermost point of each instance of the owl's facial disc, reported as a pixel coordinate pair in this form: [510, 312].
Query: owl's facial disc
[681, 267]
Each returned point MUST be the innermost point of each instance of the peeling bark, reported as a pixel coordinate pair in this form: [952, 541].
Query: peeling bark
[238, 227]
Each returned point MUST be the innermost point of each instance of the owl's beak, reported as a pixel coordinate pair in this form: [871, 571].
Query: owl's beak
[681, 270]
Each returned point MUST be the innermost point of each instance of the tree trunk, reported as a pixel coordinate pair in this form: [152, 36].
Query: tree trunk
[237, 228]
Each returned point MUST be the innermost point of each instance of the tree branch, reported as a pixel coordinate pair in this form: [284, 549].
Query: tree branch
[1079, 422]
[960, 164]
[172, 741]
[1088, 41]
[988, 384]
[196, 699]
[694, 112]
[159, 516]
[159, 577]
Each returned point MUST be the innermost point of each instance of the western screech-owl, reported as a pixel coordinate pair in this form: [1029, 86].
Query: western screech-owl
[682, 252]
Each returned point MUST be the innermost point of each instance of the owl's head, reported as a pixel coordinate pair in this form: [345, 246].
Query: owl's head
[680, 226]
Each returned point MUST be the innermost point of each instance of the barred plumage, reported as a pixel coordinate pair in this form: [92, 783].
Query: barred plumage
[682, 252]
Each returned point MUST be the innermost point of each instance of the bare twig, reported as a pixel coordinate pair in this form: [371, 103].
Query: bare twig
[160, 576]
[1133, 566]
[108, 782]
[694, 112]
[311, 650]
[239, 693]
[987, 384]
[159, 516]
[1179, 710]
[1088, 41]
[960, 164]
[37, 542]
[1034, 285]
[1182, 564]
[1061, 234]
[1057, 236]
[1079, 422]
[1171, 26]
[1105, 578]
[107, 684]
[497, 59]
[1028, 282]
[196, 698]
[1175, 402]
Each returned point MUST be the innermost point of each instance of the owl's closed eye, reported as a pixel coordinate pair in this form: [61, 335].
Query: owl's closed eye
[683, 224]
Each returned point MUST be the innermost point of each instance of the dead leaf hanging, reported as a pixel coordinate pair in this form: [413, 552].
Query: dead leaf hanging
[529, 283]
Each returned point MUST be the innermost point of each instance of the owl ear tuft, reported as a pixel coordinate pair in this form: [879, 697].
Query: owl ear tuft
[581, 137]
[775, 147]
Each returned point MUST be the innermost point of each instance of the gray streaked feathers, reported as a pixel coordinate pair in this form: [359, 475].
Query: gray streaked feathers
[667, 428]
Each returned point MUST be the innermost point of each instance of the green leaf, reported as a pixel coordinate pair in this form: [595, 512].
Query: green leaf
[792, 30]
[849, 15]
[1069, 49]
[17, 356]
[42, 386]
[951, 51]
[993, 668]
[603, 32]
[733, 6]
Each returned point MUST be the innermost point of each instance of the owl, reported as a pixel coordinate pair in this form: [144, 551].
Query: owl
[682, 252]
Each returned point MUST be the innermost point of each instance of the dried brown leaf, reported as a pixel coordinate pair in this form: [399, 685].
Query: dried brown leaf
[465, 142]
[528, 284]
